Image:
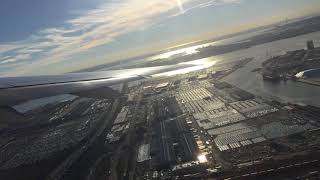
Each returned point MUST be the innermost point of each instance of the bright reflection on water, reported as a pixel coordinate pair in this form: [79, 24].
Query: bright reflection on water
[198, 65]
[194, 49]
[288, 91]
[184, 51]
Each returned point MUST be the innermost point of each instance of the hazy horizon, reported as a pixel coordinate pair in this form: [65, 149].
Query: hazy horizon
[47, 37]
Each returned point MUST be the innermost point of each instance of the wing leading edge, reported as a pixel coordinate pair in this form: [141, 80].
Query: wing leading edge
[14, 90]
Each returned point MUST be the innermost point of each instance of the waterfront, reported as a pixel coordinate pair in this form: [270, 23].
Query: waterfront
[285, 91]
[288, 91]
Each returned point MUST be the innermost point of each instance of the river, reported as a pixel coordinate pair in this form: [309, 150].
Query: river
[289, 91]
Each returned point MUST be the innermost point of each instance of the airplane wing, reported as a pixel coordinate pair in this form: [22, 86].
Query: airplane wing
[14, 90]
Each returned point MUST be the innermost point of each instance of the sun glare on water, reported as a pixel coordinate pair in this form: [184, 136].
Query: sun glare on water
[198, 65]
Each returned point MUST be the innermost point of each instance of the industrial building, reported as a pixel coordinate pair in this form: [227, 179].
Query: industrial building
[310, 45]
[162, 152]
[144, 153]
[252, 108]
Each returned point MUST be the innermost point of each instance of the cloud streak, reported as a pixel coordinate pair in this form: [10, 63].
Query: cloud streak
[91, 29]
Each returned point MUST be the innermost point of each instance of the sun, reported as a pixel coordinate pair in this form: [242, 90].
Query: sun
[180, 6]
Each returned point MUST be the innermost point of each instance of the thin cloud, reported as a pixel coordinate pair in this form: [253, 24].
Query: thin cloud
[10, 60]
[95, 28]
[8, 47]
[207, 3]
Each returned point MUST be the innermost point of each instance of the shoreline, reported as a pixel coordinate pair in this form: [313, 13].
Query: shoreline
[315, 83]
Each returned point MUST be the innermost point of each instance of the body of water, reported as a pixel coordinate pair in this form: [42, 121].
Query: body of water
[289, 91]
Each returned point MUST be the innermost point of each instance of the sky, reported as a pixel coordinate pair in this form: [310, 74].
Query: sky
[54, 37]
